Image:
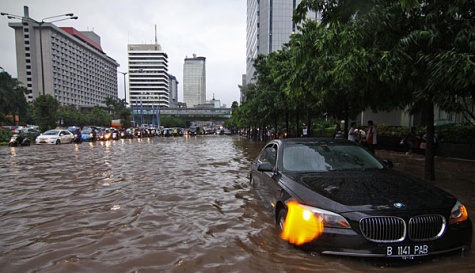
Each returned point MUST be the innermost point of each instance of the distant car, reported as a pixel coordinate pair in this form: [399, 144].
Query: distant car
[55, 137]
[72, 129]
[30, 131]
[364, 208]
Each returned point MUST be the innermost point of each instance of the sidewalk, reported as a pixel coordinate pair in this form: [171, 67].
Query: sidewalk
[453, 175]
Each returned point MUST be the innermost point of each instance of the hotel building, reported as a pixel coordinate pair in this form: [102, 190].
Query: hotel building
[63, 62]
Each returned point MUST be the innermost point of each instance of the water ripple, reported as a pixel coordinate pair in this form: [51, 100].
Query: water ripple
[142, 205]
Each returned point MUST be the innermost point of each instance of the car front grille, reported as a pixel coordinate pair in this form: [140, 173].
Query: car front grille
[394, 229]
[426, 227]
[383, 229]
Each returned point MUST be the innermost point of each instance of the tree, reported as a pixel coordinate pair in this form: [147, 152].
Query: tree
[431, 60]
[99, 117]
[125, 116]
[170, 122]
[421, 51]
[45, 112]
[12, 99]
[115, 105]
[70, 115]
[320, 79]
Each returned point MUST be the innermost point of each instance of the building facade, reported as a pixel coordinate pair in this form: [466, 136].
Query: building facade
[65, 63]
[173, 91]
[269, 25]
[194, 81]
[148, 76]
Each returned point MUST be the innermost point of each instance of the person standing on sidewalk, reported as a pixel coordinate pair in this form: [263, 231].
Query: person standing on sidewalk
[371, 136]
[351, 132]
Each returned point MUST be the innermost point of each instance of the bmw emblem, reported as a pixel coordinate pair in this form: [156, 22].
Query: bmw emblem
[398, 205]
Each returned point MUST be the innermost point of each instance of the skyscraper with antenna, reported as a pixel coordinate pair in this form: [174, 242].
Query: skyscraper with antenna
[148, 75]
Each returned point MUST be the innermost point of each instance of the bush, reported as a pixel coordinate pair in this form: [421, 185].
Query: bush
[5, 135]
[456, 134]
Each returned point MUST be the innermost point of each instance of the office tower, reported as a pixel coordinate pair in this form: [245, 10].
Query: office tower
[269, 26]
[194, 81]
[173, 91]
[148, 76]
[69, 64]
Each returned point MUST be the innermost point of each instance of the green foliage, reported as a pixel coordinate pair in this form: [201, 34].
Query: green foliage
[45, 112]
[98, 117]
[5, 135]
[170, 122]
[457, 134]
[12, 99]
[115, 106]
[125, 117]
[324, 128]
[71, 116]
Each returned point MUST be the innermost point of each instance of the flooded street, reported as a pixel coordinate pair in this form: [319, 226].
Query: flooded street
[162, 205]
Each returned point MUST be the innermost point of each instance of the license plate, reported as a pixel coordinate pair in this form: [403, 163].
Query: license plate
[407, 251]
[42, 141]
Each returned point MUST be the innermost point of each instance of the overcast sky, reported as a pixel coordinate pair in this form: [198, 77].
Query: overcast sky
[215, 29]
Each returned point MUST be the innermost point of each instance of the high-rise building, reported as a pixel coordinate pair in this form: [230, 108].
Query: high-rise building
[148, 76]
[173, 91]
[69, 64]
[269, 26]
[194, 81]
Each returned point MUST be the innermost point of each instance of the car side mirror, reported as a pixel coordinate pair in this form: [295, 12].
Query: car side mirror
[265, 167]
[388, 163]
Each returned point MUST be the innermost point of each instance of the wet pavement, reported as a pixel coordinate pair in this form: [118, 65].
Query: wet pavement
[166, 205]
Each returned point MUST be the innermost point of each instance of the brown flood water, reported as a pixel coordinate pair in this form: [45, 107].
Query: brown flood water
[166, 205]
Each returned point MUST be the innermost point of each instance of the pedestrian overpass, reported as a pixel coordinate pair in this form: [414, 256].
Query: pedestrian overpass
[201, 114]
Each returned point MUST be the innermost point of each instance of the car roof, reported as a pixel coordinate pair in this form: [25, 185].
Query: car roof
[311, 140]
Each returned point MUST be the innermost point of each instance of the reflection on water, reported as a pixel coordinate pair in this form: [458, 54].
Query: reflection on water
[148, 205]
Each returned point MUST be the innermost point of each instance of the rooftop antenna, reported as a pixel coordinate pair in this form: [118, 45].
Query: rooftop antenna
[156, 34]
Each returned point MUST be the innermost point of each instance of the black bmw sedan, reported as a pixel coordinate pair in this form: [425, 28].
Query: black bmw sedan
[363, 207]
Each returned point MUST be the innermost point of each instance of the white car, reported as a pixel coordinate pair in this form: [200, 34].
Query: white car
[55, 137]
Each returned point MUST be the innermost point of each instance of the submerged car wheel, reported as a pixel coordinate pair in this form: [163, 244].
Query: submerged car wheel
[58, 142]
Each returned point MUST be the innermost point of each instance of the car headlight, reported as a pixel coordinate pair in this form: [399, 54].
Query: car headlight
[458, 213]
[329, 219]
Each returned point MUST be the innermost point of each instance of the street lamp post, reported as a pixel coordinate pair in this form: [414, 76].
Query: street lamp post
[125, 89]
[70, 16]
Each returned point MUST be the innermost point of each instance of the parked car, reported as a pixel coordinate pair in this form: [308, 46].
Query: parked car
[362, 207]
[55, 137]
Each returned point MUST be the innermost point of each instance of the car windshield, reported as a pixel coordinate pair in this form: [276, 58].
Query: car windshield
[86, 130]
[50, 133]
[324, 158]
